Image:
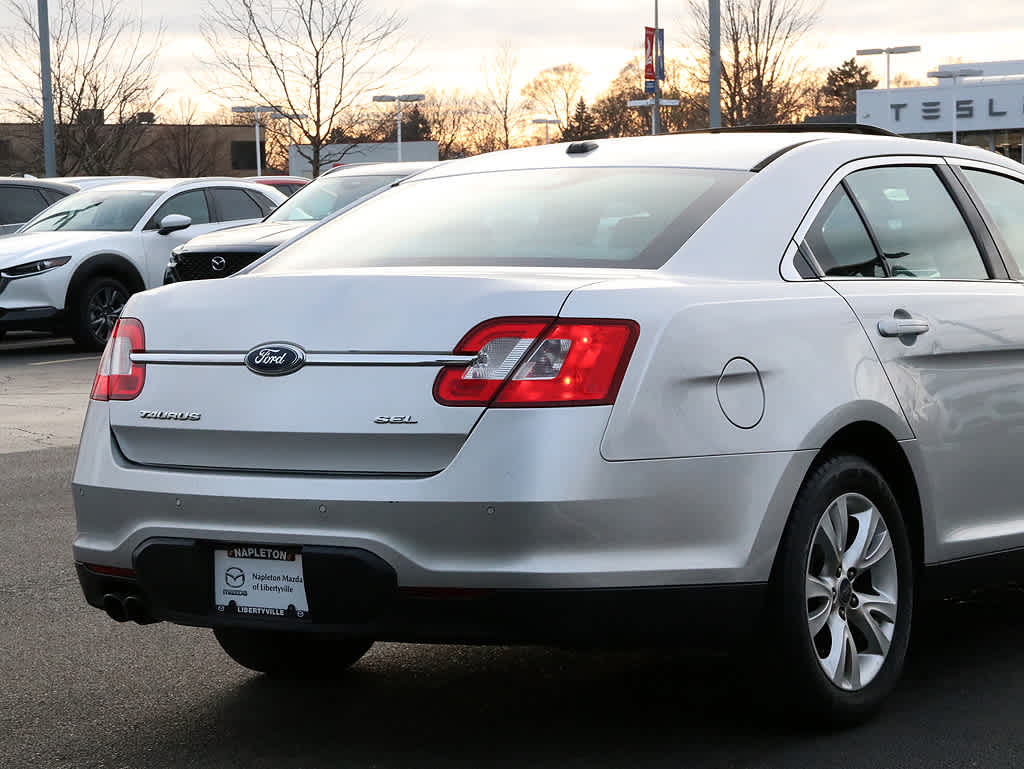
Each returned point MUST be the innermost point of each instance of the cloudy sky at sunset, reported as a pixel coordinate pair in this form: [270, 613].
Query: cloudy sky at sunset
[452, 37]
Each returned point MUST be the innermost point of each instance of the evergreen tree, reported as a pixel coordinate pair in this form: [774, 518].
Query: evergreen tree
[581, 125]
[838, 95]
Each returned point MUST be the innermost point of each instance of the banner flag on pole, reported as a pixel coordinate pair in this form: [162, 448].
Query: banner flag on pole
[649, 53]
[659, 59]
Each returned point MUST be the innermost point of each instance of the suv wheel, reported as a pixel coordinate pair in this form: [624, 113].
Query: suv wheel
[95, 310]
[288, 654]
[843, 593]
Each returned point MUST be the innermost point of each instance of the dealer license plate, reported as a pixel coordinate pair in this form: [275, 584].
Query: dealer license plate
[259, 581]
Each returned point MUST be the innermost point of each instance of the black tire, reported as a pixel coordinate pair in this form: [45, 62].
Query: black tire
[94, 309]
[814, 697]
[284, 654]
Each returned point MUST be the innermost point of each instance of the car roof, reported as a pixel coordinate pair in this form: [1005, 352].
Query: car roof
[48, 184]
[168, 185]
[406, 168]
[265, 179]
[732, 150]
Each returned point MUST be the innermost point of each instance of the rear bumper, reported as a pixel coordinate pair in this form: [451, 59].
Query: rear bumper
[552, 515]
[352, 593]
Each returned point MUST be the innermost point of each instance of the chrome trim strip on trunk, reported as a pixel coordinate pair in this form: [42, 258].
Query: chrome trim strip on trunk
[312, 359]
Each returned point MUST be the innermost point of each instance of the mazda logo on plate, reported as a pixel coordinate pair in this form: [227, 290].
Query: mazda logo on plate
[275, 359]
[218, 263]
[235, 577]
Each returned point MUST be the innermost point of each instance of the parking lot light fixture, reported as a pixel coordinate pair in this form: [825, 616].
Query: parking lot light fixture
[888, 52]
[954, 74]
[398, 100]
[256, 111]
[547, 122]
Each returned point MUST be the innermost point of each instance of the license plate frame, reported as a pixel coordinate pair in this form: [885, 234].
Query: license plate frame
[260, 582]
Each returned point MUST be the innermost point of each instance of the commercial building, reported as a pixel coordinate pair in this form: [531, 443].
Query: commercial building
[984, 110]
[147, 149]
[334, 155]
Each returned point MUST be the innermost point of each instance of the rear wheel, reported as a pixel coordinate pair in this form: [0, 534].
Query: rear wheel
[842, 593]
[95, 310]
[290, 655]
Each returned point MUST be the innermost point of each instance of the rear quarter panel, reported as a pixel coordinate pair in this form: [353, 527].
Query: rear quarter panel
[814, 366]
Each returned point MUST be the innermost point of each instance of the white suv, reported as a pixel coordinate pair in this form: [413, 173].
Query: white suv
[72, 268]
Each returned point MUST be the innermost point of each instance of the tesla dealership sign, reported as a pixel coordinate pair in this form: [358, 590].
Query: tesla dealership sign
[978, 106]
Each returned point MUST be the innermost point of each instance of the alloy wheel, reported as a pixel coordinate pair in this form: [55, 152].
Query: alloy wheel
[851, 591]
[103, 311]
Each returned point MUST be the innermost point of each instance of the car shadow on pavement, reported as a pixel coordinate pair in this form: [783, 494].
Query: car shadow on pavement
[529, 707]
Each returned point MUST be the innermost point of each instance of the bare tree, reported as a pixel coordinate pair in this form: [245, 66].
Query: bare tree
[450, 115]
[186, 146]
[764, 80]
[499, 102]
[317, 58]
[103, 64]
[555, 91]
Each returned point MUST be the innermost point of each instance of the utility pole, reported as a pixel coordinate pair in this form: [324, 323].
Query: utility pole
[49, 151]
[715, 80]
[656, 107]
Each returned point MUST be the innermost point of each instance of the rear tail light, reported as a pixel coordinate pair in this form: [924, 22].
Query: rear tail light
[539, 362]
[118, 378]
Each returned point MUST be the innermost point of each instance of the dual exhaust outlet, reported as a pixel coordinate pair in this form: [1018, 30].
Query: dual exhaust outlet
[122, 607]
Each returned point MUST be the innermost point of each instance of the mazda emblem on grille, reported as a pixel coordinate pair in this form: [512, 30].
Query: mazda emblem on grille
[218, 263]
[275, 359]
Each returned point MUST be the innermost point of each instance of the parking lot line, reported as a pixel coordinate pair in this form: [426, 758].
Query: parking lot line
[64, 360]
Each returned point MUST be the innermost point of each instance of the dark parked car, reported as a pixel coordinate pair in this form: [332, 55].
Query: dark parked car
[287, 185]
[21, 199]
[220, 254]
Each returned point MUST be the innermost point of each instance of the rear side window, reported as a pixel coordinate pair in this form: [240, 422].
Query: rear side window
[551, 217]
[234, 204]
[191, 204]
[1004, 199]
[839, 241]
[19, 204]
[919, 228]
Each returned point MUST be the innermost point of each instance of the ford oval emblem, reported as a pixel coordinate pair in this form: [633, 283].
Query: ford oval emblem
[275, 359]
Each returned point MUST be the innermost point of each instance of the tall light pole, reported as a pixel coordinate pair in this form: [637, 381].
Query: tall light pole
[49, 152]
[656, 96]
[256, 111]
[953, 74]
[398, 100]
[715, 75]
[888, 52]
[548, 122]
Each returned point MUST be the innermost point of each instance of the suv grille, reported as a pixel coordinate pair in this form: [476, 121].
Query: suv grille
[199, 266]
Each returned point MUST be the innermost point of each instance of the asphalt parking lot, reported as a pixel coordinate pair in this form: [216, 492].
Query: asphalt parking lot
[78, 690]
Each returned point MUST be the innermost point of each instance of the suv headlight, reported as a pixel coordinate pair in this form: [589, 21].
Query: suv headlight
[33, 268]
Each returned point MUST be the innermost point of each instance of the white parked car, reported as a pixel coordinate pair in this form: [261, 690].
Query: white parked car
[72, 267]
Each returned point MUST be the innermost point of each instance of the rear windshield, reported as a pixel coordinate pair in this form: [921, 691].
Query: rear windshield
[551, 217]
[327, 195]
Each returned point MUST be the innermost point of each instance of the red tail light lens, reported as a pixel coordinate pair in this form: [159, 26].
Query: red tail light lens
[118, 378]
[539, 362]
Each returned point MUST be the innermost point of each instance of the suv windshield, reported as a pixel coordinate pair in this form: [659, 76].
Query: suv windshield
[551, 217]
[327, 195]
[101, 210]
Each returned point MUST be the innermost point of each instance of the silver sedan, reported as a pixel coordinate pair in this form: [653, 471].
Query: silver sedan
[756, 388]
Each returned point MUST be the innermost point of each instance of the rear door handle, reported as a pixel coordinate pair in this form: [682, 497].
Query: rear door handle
[902, 326]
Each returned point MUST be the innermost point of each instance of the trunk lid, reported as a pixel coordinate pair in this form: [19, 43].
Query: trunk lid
[373, 339]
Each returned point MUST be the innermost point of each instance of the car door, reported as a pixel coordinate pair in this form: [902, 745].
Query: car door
[157, 247]
[903, 243]
[18, 204]
[234, 206]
